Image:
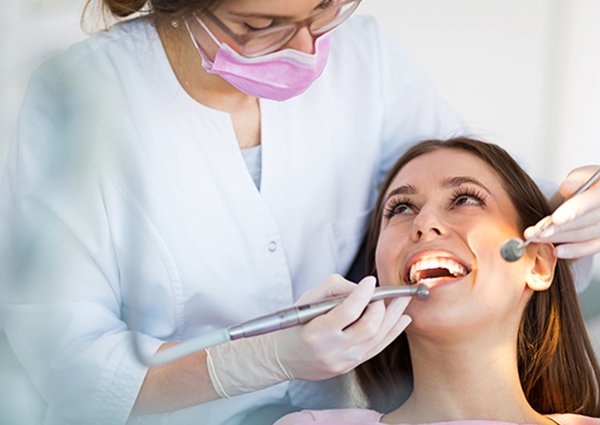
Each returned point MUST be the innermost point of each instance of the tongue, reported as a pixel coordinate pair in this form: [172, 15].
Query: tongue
[434, 273]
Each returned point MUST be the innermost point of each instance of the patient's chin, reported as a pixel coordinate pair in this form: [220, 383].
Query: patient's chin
[445, 322]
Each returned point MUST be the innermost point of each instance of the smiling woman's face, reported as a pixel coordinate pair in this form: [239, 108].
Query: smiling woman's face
[446, 215]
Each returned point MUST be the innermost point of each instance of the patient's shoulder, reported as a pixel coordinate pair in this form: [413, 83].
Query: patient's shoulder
[333, 417]
[571, 419]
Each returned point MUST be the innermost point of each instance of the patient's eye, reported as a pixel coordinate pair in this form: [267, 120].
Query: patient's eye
[467, 197]
[399, 206]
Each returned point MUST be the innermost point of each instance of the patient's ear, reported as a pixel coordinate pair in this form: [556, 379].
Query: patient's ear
[542, 268]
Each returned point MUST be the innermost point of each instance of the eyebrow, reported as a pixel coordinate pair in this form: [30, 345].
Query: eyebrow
[460, 180]
[266, 15]
[450, 182]
[406, 189]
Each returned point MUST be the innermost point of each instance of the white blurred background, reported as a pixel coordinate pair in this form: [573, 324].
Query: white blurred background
[523, 73]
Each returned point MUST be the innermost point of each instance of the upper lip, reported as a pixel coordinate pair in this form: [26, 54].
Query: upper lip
[432, 253]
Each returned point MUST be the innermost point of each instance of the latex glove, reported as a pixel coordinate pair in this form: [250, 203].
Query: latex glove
[576, 223]
[327, 346]
[348, 335]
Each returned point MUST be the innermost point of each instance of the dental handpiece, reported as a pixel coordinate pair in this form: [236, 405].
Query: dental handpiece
[298, 315]
[513, 249]
[282, 319]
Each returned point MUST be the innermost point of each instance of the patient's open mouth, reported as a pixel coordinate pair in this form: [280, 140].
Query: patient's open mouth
[434, 268]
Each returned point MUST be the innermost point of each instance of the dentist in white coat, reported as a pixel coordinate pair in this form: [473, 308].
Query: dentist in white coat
[190, 169]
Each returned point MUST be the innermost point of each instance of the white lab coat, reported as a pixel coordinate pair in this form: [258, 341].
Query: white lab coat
[127, 205]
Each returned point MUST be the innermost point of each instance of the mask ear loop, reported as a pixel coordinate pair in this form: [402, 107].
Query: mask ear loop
[206, 62]
[209, 32]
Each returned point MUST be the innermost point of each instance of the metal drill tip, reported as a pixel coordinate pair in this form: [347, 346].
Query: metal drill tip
[513, 249]
[422, 292]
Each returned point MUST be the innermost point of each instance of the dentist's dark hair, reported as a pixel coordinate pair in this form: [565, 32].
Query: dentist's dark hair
[558, 369]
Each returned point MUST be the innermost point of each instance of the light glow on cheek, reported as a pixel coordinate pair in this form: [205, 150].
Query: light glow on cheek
[485, 242]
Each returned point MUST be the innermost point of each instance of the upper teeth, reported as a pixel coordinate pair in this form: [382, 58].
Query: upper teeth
[456, 269]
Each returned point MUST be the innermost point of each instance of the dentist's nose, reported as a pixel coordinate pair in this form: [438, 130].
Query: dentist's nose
[427, 226]
[303, 41]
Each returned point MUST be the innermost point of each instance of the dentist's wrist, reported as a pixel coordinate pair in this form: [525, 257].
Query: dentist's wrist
[246, 365]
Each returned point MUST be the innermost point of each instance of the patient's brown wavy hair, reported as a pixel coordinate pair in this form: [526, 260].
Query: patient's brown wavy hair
[558, 369]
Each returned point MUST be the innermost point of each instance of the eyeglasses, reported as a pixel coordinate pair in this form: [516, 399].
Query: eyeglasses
[262, 42]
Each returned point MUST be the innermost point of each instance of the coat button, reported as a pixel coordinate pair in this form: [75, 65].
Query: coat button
[272, 246]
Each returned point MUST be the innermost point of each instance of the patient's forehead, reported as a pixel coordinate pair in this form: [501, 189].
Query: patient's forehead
[433, 168]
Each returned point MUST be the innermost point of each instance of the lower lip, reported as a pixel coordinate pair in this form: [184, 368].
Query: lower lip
[438, 282]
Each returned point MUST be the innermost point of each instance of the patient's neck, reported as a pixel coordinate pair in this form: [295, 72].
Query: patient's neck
[471, 379]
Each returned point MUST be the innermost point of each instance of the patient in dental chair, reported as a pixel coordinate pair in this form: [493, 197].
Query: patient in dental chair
[497, 342]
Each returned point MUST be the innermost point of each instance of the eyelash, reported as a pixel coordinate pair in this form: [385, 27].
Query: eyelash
[390, 208]
[393, 204]
[470, 192]
[251, 28]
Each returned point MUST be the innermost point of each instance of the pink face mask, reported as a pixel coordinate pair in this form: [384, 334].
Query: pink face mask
[280, 75]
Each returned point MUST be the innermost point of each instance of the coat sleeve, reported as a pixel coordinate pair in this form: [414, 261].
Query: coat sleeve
[59, 280]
